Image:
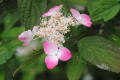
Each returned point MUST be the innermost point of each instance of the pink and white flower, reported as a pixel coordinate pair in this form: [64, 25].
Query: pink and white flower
[54, 54]
[26, 37]
[82, 18]
[53, 11]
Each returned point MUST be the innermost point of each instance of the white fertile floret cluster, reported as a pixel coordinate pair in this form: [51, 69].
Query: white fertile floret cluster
[55, 28]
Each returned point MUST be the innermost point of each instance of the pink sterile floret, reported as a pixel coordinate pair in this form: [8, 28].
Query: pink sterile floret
[82, 18]
[54, 54]
[26, 37]
[52, 11]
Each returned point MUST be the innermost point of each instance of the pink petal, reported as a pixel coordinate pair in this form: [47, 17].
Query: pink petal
[52, 11]
[35, 29]
[22, 37]
[75, 13]
[26, 37]
[50, 48]
[86, 20]
[82, 18]
[65, 54]
[87, 24]
[86, 17]
[51, 61]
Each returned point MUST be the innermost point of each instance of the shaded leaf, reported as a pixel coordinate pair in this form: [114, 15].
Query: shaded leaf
[75, 68]
[54, 3]
[100, 52]
[28, 76]
[1, 1]
[13, 33]
[115, 39]
[30, 60]
[103, 9]
[5, 54]
[2, 76]
[11, 19]
[7, 50]
[37, 65]
[76, 2]
[31, 11]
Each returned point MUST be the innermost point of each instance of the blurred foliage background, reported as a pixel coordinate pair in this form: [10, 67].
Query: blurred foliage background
[96, 50]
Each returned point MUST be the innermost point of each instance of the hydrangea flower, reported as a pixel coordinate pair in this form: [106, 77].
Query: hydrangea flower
[81, 18]
[54, 54]
[52, 11]
[53, 30]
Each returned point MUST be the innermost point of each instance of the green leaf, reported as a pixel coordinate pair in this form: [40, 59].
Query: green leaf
[37, 65]
[116, 39]
[76, 2]
[76, 31]
[30, 62]
[100, 52]
[31, 11]
[11, 46]
[103, 9]
[5, 54]
[28, 76]
[54, 3]
[41, 63]
[7, 50]
[2, 75]
[11, 19]
[75, 68]
[13, 33]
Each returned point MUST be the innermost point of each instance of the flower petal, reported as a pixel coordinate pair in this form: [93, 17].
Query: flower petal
[23, 51]
[52, 11]
[75, 13]
[82, 18]
[86, 17]
[86, 20]
[26, 36]
[65, 54]
[87, 24]
[26, 44]
[35, 29]
[51, 61]
[50, 48]
[22, 37]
